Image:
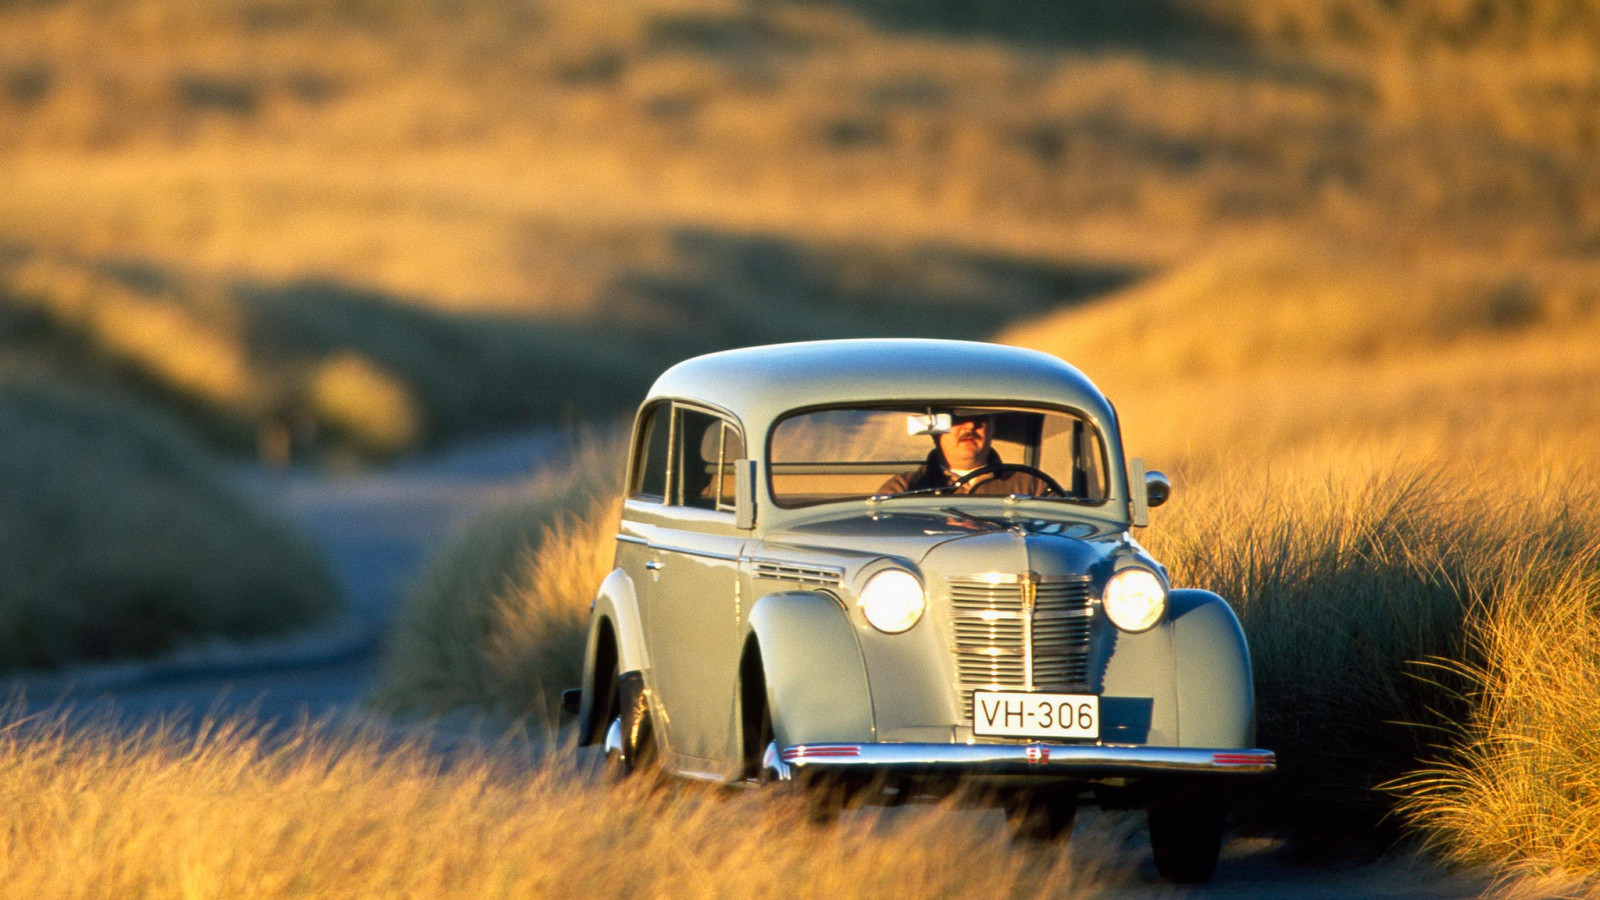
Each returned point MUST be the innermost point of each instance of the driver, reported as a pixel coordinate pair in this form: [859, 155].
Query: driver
[963, 449]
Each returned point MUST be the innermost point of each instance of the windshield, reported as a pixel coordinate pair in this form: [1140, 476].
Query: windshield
[832, 455]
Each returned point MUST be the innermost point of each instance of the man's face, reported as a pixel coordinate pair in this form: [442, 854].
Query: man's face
[966, 444]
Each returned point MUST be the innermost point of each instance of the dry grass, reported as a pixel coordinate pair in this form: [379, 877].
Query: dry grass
[1346, 588]
[454, 154]
[498, 620]
[119, 537]
[228, 813]
[1517, 786]
[322, 370]
[476, 199]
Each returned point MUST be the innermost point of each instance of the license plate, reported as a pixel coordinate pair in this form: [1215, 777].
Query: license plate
[1023, 714]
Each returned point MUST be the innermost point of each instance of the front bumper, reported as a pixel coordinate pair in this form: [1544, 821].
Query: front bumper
[1087, 760]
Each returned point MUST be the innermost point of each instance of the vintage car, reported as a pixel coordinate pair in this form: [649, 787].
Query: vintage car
[903, 566]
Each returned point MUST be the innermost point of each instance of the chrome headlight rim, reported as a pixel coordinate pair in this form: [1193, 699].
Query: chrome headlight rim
[893, 600]
[1135, 599]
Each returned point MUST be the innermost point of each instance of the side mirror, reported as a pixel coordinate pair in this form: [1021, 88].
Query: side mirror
[1157, 489]
[744, 493]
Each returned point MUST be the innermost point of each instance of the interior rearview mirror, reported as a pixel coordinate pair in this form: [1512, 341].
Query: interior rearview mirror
[930, 423]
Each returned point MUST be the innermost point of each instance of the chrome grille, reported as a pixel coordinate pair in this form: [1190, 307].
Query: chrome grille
[999, 645]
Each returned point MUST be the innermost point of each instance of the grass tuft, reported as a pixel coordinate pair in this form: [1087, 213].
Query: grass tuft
[1517, 786]
[498, 619]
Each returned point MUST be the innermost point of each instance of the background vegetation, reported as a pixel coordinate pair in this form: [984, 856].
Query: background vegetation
[119, 536]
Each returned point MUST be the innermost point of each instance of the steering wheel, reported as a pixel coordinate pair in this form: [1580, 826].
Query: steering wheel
[996, 468]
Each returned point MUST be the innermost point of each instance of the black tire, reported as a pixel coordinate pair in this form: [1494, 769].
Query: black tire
[1039, 816]
[1186, 821]
[630, 714]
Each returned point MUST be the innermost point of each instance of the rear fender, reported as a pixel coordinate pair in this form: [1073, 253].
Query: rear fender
[816, 681]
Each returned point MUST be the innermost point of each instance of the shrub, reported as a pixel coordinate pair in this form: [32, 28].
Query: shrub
[1350, 590]
[1517, 786]
[119, 537]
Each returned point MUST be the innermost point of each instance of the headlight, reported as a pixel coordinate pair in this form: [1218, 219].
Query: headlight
[892, 600]
[1135, 599]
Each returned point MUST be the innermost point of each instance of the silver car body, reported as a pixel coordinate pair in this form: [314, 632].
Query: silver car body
[710, 610]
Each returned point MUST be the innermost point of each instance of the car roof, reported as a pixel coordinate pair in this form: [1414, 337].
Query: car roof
[759, 384]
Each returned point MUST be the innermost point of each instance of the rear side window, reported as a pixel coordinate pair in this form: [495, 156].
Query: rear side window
[650, 454]
[707, 448]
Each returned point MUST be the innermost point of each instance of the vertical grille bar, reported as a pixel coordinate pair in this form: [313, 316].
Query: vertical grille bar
[1020, 632]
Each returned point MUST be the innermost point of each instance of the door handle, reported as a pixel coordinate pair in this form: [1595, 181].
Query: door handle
[653, 565]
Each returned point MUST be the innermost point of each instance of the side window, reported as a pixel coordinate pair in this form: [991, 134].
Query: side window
[703, 468]
[699, 449]
[650, 454]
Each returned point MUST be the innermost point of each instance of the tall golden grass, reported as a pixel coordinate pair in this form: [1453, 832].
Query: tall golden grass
[498, 620]
[1516, 784]
[506, 155]
[1351, 589]
[230, 812]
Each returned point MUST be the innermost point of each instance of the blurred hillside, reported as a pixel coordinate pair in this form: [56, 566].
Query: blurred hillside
[390, 222]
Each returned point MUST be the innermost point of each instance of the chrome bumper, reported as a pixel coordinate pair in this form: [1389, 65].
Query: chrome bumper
[1020, 759]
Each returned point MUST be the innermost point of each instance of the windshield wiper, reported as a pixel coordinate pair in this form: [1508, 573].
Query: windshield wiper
[936, 489]
[971, 517]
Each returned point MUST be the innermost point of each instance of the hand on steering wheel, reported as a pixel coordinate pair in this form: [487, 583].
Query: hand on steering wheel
[997, 468]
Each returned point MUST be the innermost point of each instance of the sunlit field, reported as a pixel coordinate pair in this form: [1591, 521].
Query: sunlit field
[230, 814]
[407, 221]
[1337, 262]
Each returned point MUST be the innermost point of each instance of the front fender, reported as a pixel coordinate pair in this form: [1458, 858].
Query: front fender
[1216, 693]
[816, 680]
[613, 618]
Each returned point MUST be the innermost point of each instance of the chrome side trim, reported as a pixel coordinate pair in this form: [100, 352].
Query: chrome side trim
[1033, 759]
[705, 554]
[630, 539]
[815, 576]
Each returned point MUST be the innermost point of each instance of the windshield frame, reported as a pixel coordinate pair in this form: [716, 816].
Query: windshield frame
[910, 406]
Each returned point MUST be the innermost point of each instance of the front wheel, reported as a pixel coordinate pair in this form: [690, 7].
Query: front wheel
[1186, 830]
